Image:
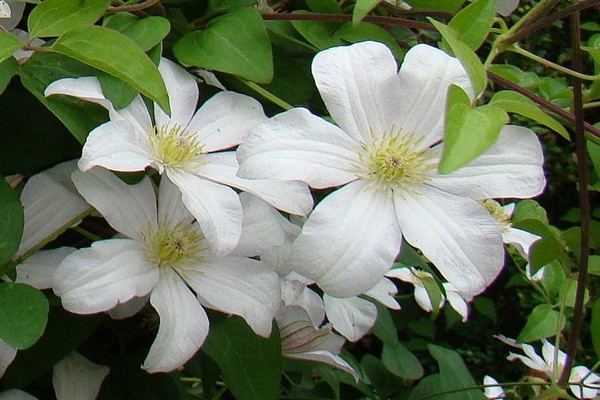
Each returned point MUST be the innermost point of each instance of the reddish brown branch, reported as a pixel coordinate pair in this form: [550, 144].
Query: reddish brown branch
[376, 19]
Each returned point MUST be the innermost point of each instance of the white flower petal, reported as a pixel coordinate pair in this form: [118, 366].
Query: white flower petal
[506, 7]
[239, 286]
[456, 234]
[130, 209]
[171, 209]
[85, 88]
[295, 293]
[7, 355]
[578, 374]
[96, 279]
[512, 167]
[492, 392]
[225, 120]
[423, 300]
[183, 324]
[183, 95]
[521, 240]
[16, 14]
[456, 301]
[290, 196]
[50, 200]
[352, 316]
[216, 207]
[349, 241]
[129, 308]
[384, 292]
[360, 87]
[38, 270]
[76, 377]
[297, 145]
[16, 394]
[118, 146]
[328, 358]
[425, 75]
[405, 274]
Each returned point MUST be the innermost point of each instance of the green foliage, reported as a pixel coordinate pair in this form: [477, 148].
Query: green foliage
[24, 311]
[8, 45]
[362, 8]
[543, 322]
[11, 221]
[56, 17]
[472, 24]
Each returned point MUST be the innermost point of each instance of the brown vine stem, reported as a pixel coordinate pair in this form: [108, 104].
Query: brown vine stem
[535, 26]
[142, 5]
[376, 19]
[584, 203]
[542, 102]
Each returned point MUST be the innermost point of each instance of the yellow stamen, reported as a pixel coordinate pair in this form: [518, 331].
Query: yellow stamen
[175, 147]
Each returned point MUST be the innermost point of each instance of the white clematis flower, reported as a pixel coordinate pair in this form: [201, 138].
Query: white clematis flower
[163, 253]
[384, 152]
[492, 390]
[186, 147]
[301, 340]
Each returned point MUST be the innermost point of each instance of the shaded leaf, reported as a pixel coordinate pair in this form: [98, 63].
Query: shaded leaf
[472, 24]
[11, 222]
[543, 322]
[24, 311]
[362, 8]
[8, 45]
[401, 362]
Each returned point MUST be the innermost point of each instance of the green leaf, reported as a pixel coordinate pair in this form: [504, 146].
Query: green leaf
[446, 5]
[486, 307]
[320, 34]
[472, 24]
[594, 152]
[379, 376]
[529, 209]
[145, 32]
[236, 43]
[433, 292]
[469, 131]
[116, 54]
[594, 265]
[595, 327]
[544, 251]
[467, 57]
[543, 322]
[11, 222]
[401, 362]
[24, 311]
[251, 365]
[219, 6]
[8, 45]
[454, 374]
[55, 17]
[324, 6]
[8, 69]
[384, 328]
[360, 32]
[516, 103]
[362, 8]
[572, 293]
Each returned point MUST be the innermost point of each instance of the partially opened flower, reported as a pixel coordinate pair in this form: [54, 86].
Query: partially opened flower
[301, 340]
[384, 154]
[163, 254]
[186, 147]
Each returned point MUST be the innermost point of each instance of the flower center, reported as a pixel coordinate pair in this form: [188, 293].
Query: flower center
[175, 245]
[497, 212]
[174, 146]
[396, 162]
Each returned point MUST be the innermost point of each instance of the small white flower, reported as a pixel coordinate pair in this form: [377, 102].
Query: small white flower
[492, 390]
[163, 252]
[384, 154]
[187, 148]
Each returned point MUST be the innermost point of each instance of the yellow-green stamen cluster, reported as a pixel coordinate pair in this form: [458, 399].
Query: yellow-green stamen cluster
[497, 212]
[175, 245]
[175, 147]
[396, 162]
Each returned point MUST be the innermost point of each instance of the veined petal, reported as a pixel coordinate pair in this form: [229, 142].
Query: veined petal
[171, 209]
[50, 200]
[85, 88]
[457, 302]
[130, 209]
[521, 240]
[425, 75]
[239, 286]
[349, 241]
[360, 87]
[512, 167]
[456, 234]
[7, 355]
[183, 94]
[129, 308]
[297, 145]
[38, 270]
[384, 292]
[183, 324]
[328, 358]
[578, 374]
[76, 377]
[290, 196]
[295, 293]
[216, 207]
[352, 316]
[118, 146]
[225, 120]
[96, 279]
[423, 300]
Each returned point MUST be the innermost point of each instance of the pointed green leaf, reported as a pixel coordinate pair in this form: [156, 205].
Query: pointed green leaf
[362, 8]
[401, 362]
[467, 57]
[55, 17]
[543, 252]
[469, 131]
[515, 102]
[446, 5]
[8, 69]
[11, 222]
[472, 24]
[236, 43]
[251, 365]
[318, 33]
[543, 322]
[24, 312]
[354, 33]
[595, 328]
[219, 6]
[146, 32]
[454, 374]
[116, 54]
[8, 45]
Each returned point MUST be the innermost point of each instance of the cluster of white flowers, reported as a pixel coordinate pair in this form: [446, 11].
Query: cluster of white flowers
[207, 232]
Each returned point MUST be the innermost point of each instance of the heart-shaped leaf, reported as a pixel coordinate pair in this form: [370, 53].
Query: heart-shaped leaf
[24, 311]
